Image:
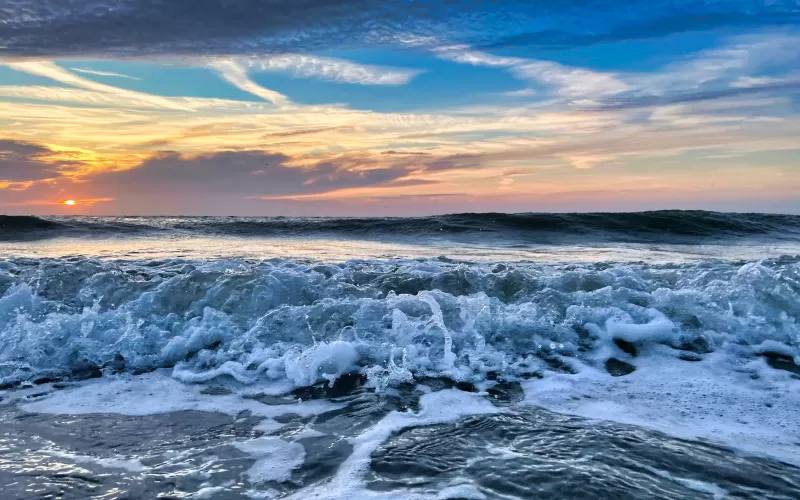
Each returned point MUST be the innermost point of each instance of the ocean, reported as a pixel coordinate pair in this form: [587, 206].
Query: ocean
[468, 356]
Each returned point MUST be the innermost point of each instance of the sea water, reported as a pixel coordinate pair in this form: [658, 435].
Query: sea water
[650, 355]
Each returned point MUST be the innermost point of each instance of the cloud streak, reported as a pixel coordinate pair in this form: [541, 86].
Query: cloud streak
[235, 74]
[55, 72]
[652, 101]
[567, 81]
[330, 69]
[104, 73]
[735, 69]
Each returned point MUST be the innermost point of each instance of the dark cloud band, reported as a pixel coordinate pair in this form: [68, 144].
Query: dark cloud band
[133, 28]
[22, 161]
[224, 174]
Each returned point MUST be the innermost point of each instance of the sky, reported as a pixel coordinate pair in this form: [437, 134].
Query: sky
[398, 107]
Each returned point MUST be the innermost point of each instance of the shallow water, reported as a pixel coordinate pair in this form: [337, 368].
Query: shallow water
[517, 452]
[190, 360]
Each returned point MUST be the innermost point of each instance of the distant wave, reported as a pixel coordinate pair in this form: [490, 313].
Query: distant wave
[656, 226]
[11, 225]
[644, 225]
[28, 227]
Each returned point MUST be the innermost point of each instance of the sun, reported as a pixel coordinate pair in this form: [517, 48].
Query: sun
[69, 202]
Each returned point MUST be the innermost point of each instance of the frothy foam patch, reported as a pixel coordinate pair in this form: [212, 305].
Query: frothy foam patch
[268, 425]
[750, 408]
[275, 458]
[465, 491]
[435, 408]
[207, 492]
[305, 432]
[261, 494]
[155, 393]
[130, 465]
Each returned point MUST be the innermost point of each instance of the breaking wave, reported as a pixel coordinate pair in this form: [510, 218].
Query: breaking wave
[390, 321]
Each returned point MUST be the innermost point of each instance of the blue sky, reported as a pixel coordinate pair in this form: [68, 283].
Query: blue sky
[362, 107]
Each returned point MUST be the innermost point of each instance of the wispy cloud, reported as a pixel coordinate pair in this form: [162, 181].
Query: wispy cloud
[521, 93]
[741, 56]
[736, 90]
[55, 72]
[104, 73]
[567, 81]
[236, 72]
[331, 69]
[84, 97]
[744, 65]
[237, 76]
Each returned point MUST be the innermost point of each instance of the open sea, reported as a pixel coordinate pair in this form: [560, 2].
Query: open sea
[470, 356]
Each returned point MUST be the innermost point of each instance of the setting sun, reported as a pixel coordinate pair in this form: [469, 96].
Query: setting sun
[69, 202]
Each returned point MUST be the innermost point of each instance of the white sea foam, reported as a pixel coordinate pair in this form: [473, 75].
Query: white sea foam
[128, 464]
[268, 425]
[275, 458]
[305, 432]
[207, 492]
[466, 491]
[716, 399]
[435, 408]
[155, 393]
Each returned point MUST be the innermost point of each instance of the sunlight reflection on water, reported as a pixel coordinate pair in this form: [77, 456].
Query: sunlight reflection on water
[338, 250]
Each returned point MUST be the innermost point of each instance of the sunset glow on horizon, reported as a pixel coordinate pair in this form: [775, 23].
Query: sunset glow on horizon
[382, 110]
